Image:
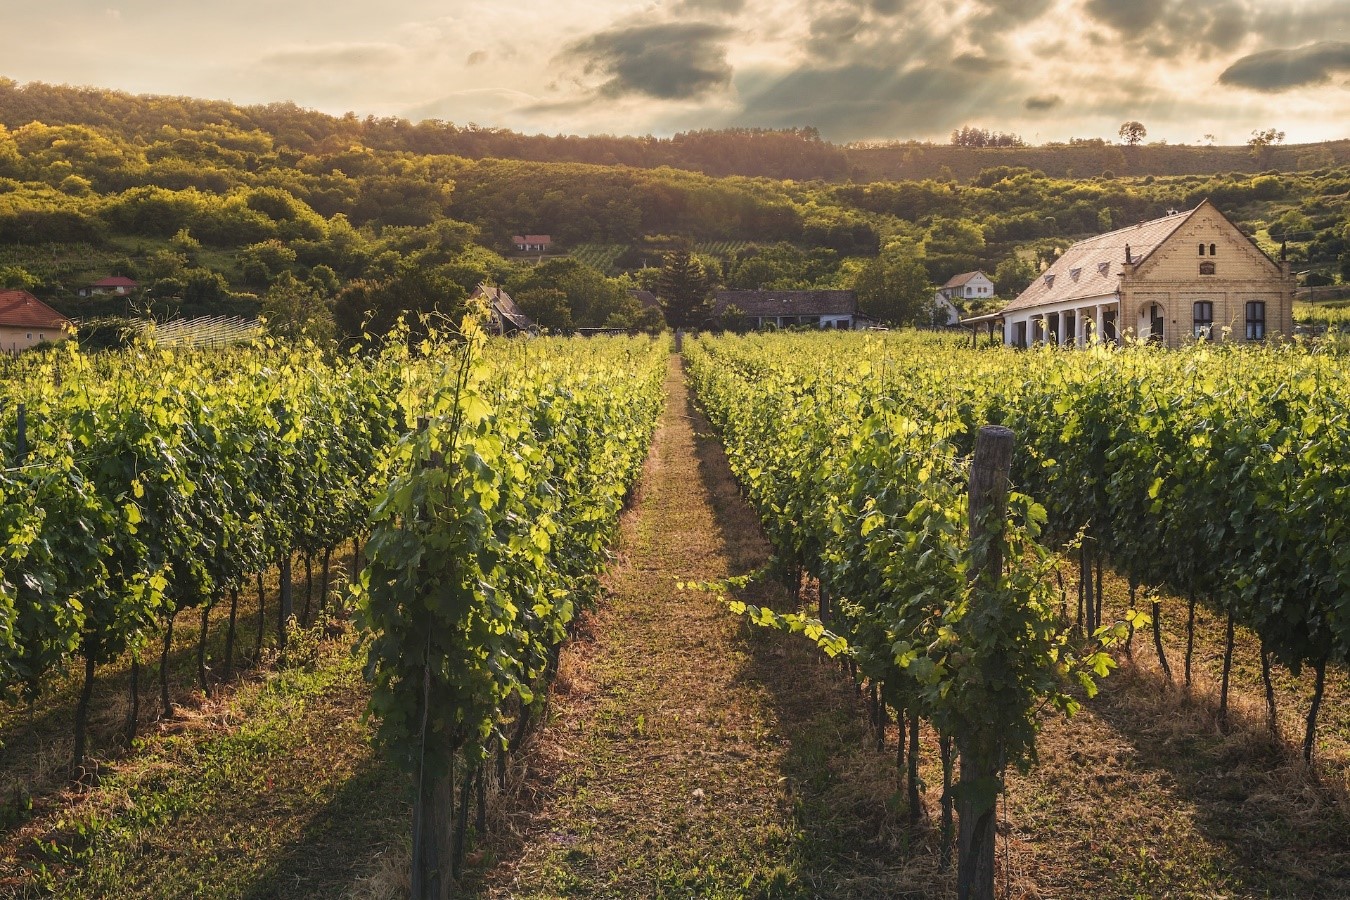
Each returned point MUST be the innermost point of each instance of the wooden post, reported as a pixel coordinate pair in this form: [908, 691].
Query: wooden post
[21, 444]
[981, 753]
[679, 340]
[287, 599]
[434, 847]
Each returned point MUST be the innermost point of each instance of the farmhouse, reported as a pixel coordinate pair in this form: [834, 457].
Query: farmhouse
[532, 243]
[1188, 275]
[25, 321]
[966, 286]
[506, 316]
[115, 284]
[785, 309]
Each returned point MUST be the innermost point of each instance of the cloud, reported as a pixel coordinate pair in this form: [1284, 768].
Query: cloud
[1272, 71]
[1042, 102]
[665, 61]
[335, 55]
[864, 100]
[831, 34]
[477, 57]
[719, 7]
[1165, 28]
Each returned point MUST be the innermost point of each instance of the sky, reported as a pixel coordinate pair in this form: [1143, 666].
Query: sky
[857, 70]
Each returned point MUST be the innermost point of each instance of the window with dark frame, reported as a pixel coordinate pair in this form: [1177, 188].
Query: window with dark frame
[1202, 249]
[1212, 250]
[1256, 320]
[1207, 268]
[1202, 319]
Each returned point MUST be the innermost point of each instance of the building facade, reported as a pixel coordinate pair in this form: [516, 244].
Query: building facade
[1186, 276]
[25, 321]
[788, 309]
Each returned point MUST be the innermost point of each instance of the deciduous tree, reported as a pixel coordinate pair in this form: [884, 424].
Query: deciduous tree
[1133, 133]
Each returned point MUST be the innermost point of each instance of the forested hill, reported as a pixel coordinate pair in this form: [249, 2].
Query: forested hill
[798, 154]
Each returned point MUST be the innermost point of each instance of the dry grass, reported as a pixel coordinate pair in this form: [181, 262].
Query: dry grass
[686, 755]
[268, 789]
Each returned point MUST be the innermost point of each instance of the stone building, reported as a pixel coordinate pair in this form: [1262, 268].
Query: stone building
[1189, 275]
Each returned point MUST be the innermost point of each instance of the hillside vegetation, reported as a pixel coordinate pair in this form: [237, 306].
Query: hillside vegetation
[341, 223]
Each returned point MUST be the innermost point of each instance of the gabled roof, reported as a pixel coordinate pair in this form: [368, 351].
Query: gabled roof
[1092, 267]
[965, 277]
[789, 303]
[532, 239]
[20, 309]
[646, 298]
[504, 306]
[115, 281]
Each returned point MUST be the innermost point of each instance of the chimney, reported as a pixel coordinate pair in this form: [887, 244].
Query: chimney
[1129, 257]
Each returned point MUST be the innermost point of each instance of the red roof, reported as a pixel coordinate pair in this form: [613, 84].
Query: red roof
[533, 239]
[20, 309]
[116, 281]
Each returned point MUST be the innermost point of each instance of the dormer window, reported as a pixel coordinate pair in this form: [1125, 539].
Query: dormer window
[1207, 268]
[1074, 273]
[1050, 280]
[1103, 268]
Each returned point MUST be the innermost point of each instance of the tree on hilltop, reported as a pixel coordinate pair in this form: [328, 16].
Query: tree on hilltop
[1133, 133]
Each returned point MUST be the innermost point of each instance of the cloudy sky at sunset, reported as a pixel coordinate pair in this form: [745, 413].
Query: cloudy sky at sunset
[856, 69]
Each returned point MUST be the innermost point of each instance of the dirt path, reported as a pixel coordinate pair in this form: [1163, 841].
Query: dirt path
[687, 756]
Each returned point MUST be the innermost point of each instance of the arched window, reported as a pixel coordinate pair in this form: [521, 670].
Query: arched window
[1202, 249]
[1207, 268]
[1211, 250]
[1256, 320]
[1202, 319]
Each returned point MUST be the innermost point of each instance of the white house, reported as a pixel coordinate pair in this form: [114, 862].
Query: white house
[532, 243]
[966, 286]
[1184, 276]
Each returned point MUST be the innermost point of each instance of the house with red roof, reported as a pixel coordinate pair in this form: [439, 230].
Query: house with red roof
[25, 321]
[117, 285]
[533, 243]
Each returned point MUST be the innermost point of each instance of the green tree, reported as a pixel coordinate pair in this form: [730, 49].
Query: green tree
[683, 291]
[259, 262]
[186, 244]
[1262, 145]
[1012, 276]
[17, 277]
[894, 288]
[292, 309]
[548, 307]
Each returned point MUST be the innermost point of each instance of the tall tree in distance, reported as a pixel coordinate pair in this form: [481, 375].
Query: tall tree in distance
[683, 290]
[1262, 145]
[1133, 133]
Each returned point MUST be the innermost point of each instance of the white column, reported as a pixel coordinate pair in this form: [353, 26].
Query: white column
[1101, 322]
